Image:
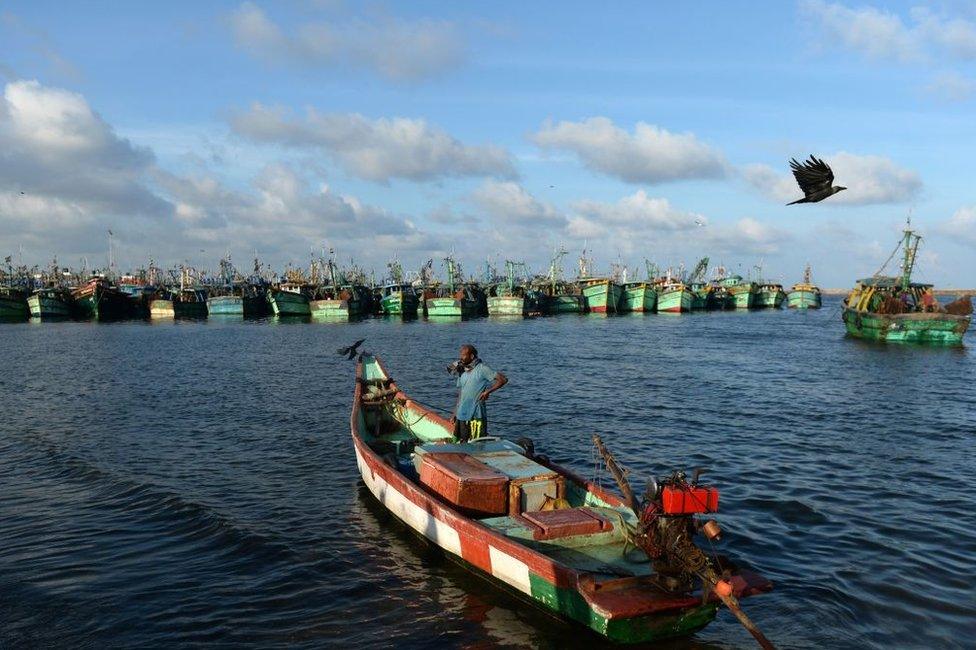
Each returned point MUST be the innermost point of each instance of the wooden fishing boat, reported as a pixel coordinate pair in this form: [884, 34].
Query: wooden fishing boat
[290, 299]
[242, 299]
[744, 293]
[515, 297]
[674, 297]
[13, 304]
[638, 297]
[804, 295]
[602, 295]
[893, 308]
[101, 299]
[338, 302]
[399, 300]
[50, 303]
[528, 524]
[770, 295]
[700, 295]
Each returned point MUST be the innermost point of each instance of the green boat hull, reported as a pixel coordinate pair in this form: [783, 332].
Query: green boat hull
[451, 308]
[602, 298]
[744, 297]
[803, 300]
[934, 328]
[13, 308]
[770, 299]
[514, 306]
[565, 304]
[641, 299]
[335, 308]
[399, 304]
[287, 303]
[699, 300]
[675, 302]
[42, 306]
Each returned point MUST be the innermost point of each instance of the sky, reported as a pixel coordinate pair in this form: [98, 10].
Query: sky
[496, 131]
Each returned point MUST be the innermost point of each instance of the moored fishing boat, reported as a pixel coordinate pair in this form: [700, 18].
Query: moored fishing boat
[559, 541]
[399, 300]
[289, 299]
[638, 297]
[743, 292]
[601, 295]
[455, 299]
[804, 295]
[101, 299]
[701, 296]
[893, 308]
[50, 303]
[342, 302]
[13, 304]
[674, 297]
[245, 300]
[515, 297]
[770, 295]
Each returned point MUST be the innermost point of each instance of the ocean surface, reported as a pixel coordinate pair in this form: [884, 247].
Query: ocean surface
[193, 483]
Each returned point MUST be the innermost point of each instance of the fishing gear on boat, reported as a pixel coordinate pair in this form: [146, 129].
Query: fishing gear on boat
[665, 531]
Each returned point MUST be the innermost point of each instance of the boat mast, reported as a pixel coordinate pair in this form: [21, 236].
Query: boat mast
[554, 266]
[910, 243]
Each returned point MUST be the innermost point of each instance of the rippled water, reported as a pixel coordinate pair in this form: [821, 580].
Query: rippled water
[187, 483]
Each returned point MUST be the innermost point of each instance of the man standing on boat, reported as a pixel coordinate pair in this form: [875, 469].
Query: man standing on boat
[476, 381]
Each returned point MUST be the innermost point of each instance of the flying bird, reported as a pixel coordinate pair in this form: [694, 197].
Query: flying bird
[350, 350]
[815, 179]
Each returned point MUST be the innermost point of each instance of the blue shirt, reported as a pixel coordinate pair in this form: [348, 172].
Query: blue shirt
[472, 383]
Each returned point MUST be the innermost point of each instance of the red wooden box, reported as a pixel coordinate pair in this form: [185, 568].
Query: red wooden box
[552, 524]
[689, 500]
[466, 482]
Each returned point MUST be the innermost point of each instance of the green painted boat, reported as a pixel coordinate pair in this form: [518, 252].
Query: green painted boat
[744, 293]
[638, 297]
[700, 295]
[770, 296]
[530, 526]
[338, 302]
[13, 304]
[101, 299]
[804, 295]
[399, 300]
[50, 303]
[674, 297]
[895, 309]
[289, 299]
[602, 295]
[514, 298]
[569, 302]
[459, 305]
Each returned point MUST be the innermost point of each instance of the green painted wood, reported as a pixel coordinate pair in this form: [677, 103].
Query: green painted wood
[935, 328]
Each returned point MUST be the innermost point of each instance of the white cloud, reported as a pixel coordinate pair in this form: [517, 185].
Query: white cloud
[510, 203]
[874, 33]
[952, 87]
[58, 155]
[961, 226]
[957, 37]
[378, 150]
[868, 179]
[747, 236]
[634, 215]
[405, 51]
[648, 155]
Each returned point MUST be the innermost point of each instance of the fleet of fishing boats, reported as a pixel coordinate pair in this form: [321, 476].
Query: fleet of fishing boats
[325, 290]
[882, 307]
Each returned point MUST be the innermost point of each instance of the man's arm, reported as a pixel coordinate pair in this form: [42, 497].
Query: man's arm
[500, 380]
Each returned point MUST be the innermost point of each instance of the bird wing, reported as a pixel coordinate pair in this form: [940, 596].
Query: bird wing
[813, 175]
[357, 344]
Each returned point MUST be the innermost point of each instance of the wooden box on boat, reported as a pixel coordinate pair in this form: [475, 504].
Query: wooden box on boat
[553, 524]
[531, 484]
[466, 482]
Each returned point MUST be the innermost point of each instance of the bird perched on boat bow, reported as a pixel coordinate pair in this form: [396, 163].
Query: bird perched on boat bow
[815, 178]
[350, 350]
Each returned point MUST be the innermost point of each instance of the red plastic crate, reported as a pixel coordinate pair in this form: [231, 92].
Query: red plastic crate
[689, 500]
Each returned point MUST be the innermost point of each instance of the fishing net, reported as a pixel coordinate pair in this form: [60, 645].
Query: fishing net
[960, 307]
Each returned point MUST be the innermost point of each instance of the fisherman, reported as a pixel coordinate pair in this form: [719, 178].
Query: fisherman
[929, 303]
[476, 381]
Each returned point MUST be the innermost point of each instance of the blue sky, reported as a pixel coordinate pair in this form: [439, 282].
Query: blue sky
[638, 130]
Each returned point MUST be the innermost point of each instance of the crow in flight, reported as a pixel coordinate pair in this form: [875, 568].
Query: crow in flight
[815, 179]
[351, 349]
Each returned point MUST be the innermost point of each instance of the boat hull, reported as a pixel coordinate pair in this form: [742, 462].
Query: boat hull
[743, 296]
[512, 306]
[565, 304]
[104, 304]
[399, 304]
[638, 299]
[451, 308]
[335, 308]
[44, 307]
[602, 297]
[287, 303]
[12, 307]
[675, 302]
[803, 300]
[770, 299]
[934, 328]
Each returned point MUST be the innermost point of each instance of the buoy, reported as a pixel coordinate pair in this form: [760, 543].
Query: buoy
[712, 530]
[723, 588]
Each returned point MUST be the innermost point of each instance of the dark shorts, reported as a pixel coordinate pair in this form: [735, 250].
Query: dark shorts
[465, 430]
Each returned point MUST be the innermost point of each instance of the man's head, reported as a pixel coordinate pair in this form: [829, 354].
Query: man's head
[468, 353]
